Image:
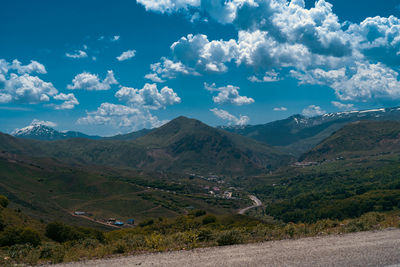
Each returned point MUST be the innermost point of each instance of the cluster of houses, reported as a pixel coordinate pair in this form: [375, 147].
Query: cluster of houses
[115, 222]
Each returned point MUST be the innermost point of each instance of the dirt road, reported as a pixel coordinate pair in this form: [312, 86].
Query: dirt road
[256, 202]
[359, 249]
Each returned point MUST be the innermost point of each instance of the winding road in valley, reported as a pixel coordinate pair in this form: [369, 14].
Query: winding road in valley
[256, 201]
[380, 248]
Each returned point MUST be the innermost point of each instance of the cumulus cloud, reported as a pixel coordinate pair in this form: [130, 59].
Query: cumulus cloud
[34, 66]
[17, 85]
[313, 110]
[126, 55]
[168, 69]
[149, 97]
[91, 82]
[280, 109]
[283, 35]
[270, 76]
[341, 106]
[5, 98]
[359, 82]
[228, 94]
[168, 6]
[70, 101]
[77, 54]
[225, 115]
[121, 117]
[115, 38]
[154, 77]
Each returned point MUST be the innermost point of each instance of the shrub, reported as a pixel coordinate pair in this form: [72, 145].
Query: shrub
[60, 232]
[13, 236]
[205, 234]
[120, 247]
[146, 223]
[30, 236]
[209, 219]
[2, 224]
[197, 213]
[3, 201]
[229, 237]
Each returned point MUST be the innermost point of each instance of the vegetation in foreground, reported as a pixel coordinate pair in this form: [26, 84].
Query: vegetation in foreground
[26, 241]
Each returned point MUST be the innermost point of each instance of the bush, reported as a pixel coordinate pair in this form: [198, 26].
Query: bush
[30, 236]
[209, 219]
[2, 224]
[229, 237]
[146, 223]
[197, 213]
[3, 201]
[13, 236]
[60, 232]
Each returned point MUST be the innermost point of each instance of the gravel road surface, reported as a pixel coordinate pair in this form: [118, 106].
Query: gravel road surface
[381, 248]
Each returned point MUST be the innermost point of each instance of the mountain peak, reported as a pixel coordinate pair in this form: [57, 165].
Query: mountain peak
[42, 130]
[34, 129]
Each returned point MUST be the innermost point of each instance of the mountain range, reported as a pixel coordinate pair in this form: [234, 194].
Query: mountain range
[295, 135]
[181, 145]
[298, 134]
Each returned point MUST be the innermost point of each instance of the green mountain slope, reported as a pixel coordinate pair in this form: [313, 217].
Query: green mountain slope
[49, 190]
[298, 134]
[189, 144]
[358, 139]
[181, 145]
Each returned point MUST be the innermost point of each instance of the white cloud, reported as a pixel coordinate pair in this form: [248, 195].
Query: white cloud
[21, 87]
[270, 76]
[34, 66]
[341, 106]
[361, 81]
[168, 6]
[126, 55]
[149, 97]
[313, 110]
[280, 109]
[77, 54]
[5, 98]
[70, 101]
[91, 82]
[36, 122]
[28, 89]
[153, 77]
[225, 115]
[121, 117]
[115, 38]
[228, 94]
[285, 35]
[169, 69]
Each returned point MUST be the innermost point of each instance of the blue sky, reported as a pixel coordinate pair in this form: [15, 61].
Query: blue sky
[107, 67]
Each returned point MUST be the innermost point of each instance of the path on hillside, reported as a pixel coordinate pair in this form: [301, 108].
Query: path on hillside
[379, 248]
[256, 201]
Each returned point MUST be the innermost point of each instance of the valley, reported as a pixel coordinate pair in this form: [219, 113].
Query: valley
[209, 185]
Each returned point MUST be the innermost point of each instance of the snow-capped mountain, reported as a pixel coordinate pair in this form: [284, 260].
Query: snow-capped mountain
[298, 133]
[42, 131]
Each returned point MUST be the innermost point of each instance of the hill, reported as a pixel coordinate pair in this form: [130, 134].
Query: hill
[129, 136]
[357, 139]
[298, 134]
[49, 190]
[182, 145]
[189, 144]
